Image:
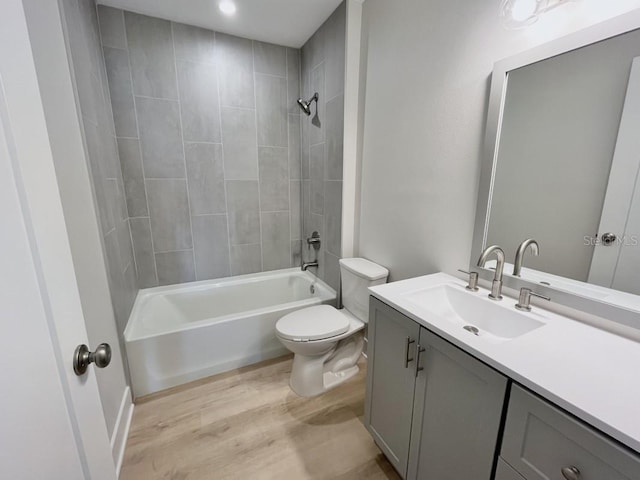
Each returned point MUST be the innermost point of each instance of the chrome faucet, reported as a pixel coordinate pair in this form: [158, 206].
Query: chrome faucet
[496, 286]
[535, 249]
[307, 265]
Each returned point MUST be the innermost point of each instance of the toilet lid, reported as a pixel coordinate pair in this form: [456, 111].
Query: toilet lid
[313, 323]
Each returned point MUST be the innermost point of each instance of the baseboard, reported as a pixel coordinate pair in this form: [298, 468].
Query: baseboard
[121, 429]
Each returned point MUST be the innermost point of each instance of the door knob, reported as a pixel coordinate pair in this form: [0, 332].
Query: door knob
[608, 239]
[571, 473]
[82, 358]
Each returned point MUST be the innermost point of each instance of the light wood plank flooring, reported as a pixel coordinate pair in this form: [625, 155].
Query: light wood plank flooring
[248, 424]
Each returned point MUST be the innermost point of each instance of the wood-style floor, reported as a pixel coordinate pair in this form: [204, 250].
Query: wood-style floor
[248, 424]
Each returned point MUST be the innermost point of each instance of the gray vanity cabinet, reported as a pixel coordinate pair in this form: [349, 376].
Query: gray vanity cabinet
[541, 442]
[391, 381]
[457, 412]
[432, 409]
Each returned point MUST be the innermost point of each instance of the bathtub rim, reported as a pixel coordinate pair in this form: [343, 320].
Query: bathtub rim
[326, 293]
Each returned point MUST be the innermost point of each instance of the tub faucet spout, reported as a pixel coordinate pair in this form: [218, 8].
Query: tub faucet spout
[306, 266]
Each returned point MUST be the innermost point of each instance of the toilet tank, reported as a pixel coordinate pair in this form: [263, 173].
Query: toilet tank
[358, 274]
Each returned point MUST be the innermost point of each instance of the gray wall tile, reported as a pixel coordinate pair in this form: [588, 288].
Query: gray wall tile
[121, 91]
[243, 208]
[274, 179]
[175, 267]
[294, 147]
[335, 51]
[198, 88]
[211, 246]
[271, 98]
[333, 217]
[316, 162]
[129, 152]
[143, 252]
[296, 253]
[276, 241]
[235, 71]
[295, 211]
[293, 79]
[152, 61]
[316, 130]
[124, 244]
[246, 259]
[160, 137]
[335, 137]
[239, 140]
[169, 212]
[205, 173]
[270, 59]
[112, 27]
[194, 44]
[332, 271]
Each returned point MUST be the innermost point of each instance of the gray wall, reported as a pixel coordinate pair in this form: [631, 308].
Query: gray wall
[427, 71]
[560, 127]
[208, 135]
[98, 131]
[323, 57]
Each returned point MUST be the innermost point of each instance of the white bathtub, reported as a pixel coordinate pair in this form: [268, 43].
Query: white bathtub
[181, 333]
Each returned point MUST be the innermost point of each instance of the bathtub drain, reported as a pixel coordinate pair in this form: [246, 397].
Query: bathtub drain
[312, 289]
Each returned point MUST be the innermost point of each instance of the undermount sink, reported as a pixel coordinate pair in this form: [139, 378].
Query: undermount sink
[473, 312]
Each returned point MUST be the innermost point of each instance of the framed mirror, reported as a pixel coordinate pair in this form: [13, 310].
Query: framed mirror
[562, 166]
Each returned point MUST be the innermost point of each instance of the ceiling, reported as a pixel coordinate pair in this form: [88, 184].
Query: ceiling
[284, 22]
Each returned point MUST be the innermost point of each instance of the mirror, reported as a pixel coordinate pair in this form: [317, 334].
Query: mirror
[563, 160]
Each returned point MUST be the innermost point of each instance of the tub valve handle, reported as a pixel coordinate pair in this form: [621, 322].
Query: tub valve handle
[314, 240]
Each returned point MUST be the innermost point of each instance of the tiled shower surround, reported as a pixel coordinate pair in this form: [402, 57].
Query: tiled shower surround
[322, 71]
[210, 143]
[209, 140]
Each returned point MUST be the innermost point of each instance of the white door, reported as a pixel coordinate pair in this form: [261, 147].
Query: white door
[52, 423]
[613, 264]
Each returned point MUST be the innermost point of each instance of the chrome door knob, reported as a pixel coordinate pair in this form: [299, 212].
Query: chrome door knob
[608, 239]
[571, 473]
[82, 358]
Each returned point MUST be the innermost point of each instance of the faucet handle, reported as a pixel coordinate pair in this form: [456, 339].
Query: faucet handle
[524, 301]
[473, 280]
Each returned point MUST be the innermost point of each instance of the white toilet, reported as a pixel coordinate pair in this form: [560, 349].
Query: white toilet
[327, 342]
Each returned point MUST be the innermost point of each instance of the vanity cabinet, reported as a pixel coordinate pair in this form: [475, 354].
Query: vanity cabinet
[541, 442]
[433, 410]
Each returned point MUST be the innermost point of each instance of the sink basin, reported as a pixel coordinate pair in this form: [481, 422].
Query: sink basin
[478, 314]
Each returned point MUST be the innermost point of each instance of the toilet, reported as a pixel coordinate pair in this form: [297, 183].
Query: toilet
[328, 342]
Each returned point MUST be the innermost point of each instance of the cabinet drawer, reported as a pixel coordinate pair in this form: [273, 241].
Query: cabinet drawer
[540, 440]
[505, 472]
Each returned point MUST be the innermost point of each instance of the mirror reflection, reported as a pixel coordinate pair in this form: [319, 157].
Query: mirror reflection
[567, 164]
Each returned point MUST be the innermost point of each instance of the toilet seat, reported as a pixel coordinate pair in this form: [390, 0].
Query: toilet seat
[313, 323]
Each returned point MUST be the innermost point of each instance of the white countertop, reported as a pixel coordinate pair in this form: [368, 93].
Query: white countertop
[592, 374]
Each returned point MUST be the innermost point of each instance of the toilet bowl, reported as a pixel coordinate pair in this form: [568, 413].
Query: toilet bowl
[327, 342]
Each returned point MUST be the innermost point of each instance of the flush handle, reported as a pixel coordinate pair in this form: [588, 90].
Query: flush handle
[571, 473]
[608, 239]
[407, 344]
[82, 358]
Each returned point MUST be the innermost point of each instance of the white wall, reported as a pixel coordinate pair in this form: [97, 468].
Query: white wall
[427, 79]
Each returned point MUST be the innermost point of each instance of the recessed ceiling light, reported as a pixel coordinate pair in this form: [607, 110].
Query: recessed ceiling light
[227, 7]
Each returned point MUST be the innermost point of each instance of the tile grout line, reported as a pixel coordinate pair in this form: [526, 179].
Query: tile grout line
[184, 153]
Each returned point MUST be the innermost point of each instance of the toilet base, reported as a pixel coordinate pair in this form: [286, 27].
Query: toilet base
[311, 376]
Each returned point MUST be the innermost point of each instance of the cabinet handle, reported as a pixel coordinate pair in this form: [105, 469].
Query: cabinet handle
[406, 352]
[419, 350]
[571, 473]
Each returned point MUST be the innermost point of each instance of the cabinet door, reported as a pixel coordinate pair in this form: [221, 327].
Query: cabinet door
[540, 441]
[393, 340]
[457, 413]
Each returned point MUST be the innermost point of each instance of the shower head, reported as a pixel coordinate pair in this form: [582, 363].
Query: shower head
[305, 105]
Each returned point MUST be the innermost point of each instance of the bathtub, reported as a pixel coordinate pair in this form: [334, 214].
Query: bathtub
[181, 333]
